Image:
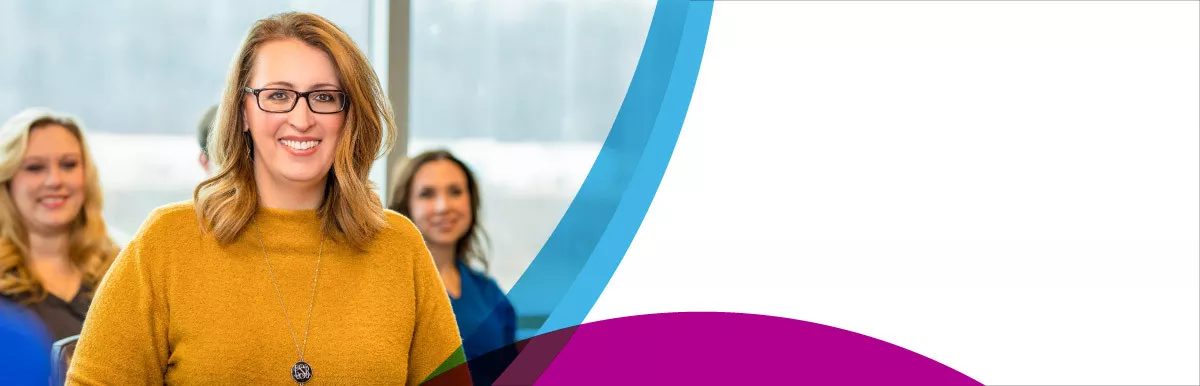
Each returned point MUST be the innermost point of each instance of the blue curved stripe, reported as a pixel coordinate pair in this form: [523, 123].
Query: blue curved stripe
[578, 259]
[645, 180]
[561, 260]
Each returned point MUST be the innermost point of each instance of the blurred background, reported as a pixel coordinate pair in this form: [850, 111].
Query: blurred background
[524, 91]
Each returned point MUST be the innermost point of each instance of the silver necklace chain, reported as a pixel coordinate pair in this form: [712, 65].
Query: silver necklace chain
[299, 349]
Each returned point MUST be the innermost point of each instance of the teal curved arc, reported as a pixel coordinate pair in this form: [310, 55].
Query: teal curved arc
[647, 176]
[583, 251]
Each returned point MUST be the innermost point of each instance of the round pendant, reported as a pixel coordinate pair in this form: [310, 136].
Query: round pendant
[301, 372]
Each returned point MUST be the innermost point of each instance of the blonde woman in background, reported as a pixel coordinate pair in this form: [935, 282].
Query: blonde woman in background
[54, 248]
[286, 268]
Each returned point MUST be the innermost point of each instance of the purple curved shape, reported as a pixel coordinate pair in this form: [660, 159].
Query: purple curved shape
[711, 348]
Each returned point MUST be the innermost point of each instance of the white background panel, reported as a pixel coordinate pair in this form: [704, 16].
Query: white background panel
[1011, 188]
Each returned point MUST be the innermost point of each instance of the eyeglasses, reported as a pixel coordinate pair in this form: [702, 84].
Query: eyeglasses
[282, 100]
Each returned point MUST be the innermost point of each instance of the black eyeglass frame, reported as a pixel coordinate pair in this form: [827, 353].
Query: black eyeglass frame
[258, 101]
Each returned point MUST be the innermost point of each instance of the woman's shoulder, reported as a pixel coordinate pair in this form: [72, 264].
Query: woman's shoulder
[399, 228]
[399, 235]
[174, 211]
[169, 222]
[485, 282]
[168, 239]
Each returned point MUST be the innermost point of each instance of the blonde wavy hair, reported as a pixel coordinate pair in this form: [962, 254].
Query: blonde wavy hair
[351, 212]
[90, 250]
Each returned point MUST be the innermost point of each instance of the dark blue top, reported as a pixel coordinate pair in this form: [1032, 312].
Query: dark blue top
[487, 323]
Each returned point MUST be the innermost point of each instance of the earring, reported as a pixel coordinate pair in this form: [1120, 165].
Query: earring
[249, 144]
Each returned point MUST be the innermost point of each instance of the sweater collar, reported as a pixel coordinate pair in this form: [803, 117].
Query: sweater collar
[286, 230]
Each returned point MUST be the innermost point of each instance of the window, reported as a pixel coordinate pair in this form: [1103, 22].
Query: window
[525, 92]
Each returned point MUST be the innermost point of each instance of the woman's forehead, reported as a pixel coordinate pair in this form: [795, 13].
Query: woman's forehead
[52, 140]
[292, 64]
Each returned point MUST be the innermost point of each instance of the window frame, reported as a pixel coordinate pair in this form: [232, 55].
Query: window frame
[390, 50]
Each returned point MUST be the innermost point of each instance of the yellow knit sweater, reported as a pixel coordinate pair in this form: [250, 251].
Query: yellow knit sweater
[178, 308]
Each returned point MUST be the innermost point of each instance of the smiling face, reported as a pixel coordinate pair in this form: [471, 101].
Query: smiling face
[441, 202]
[293, 148]
[48, 188]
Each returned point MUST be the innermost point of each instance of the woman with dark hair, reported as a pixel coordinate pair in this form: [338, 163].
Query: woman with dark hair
[441, 196]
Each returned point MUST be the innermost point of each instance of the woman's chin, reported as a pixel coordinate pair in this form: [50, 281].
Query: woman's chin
[51, 223]
[305, 177]
[437, 239]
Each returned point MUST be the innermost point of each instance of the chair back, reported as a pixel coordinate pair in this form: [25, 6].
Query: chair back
[60, 359]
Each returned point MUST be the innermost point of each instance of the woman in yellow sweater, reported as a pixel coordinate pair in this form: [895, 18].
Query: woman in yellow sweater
[286, 268]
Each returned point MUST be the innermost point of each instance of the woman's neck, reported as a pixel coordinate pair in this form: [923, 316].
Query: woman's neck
[273, 193]
[50, 260]
[445, 261]
[48, 248]
[443, 257]
[290, 199]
